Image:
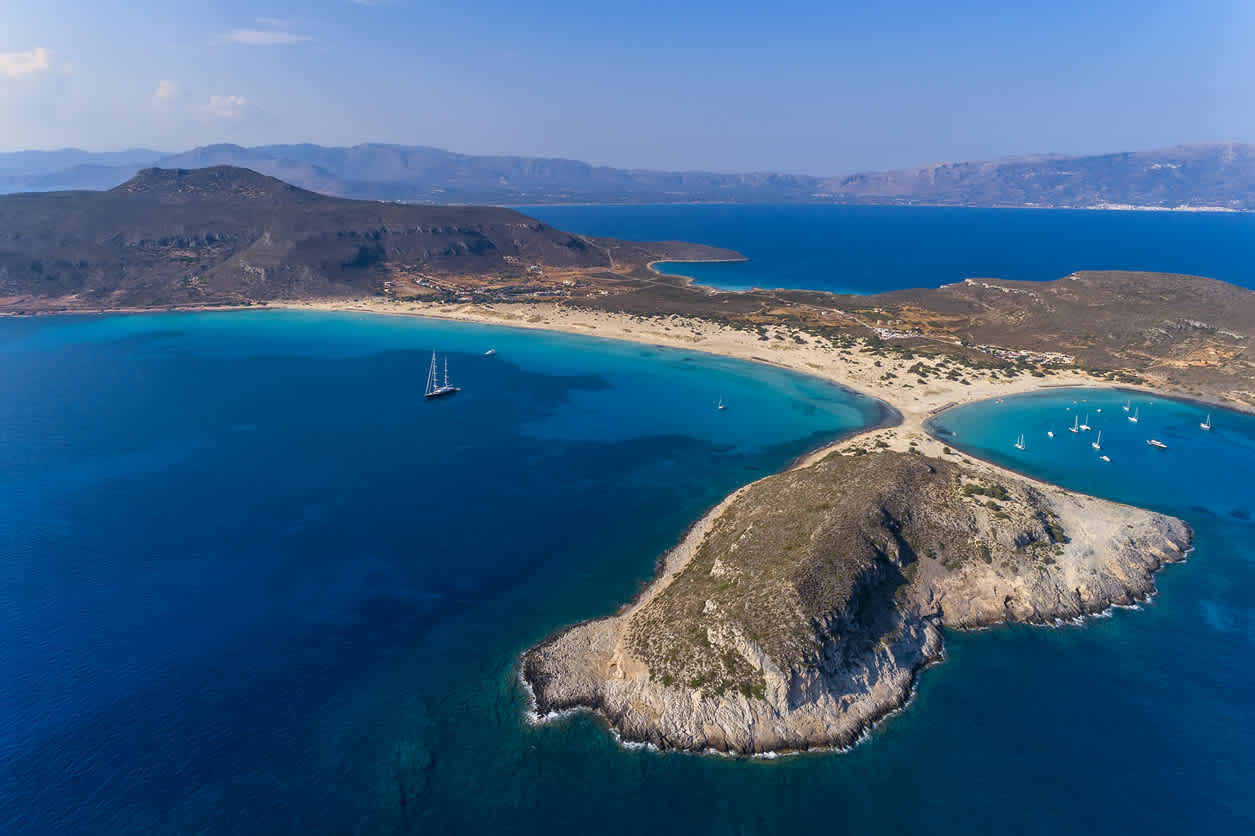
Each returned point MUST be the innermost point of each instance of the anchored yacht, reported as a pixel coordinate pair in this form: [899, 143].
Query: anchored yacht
[436, 389]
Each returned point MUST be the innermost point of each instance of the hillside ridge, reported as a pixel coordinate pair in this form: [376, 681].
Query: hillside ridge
[1198, 176]
[231, 236]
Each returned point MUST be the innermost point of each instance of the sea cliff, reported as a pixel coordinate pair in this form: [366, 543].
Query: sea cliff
[799, 612]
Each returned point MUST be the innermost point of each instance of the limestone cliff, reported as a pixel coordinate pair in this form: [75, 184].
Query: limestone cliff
[800, 611]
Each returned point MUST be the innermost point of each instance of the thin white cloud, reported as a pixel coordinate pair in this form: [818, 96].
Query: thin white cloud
[23, 64]
[167, 91]
[262, 37]
[275, 32]
[231, 108]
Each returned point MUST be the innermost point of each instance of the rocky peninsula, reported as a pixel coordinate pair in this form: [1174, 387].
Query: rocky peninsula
[799, 612]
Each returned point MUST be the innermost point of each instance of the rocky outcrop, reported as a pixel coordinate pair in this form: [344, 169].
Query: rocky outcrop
[799, 612]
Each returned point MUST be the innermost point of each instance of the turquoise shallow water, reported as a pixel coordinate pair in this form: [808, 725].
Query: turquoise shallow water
[251, 583]
[870, 249]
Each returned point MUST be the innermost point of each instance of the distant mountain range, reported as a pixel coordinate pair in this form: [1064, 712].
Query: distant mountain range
[1187, 176]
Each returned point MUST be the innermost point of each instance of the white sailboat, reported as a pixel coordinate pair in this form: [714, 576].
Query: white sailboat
[1076, 424]
[1086, 427]
[1097, 445]
[1105, 458]
[1050, 433]
[1134, 417]
[492, 352]
[1019, 442]
[1206, 424]
[1154, 442]
[436, 389]
[1127, 405]
[721, 404]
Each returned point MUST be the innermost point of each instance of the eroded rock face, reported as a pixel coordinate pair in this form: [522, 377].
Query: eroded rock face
[806, 605]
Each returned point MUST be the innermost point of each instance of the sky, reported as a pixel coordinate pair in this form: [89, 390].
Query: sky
[818, 88]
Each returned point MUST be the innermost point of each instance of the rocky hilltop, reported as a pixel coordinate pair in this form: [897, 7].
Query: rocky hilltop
[224, 235]
[799, 612]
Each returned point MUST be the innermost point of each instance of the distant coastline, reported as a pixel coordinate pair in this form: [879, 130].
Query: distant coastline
[1194, 177]
[688, 280]
[912, 204]
[856, 373]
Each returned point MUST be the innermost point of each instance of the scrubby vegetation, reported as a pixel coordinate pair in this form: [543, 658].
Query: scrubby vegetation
[839, 540]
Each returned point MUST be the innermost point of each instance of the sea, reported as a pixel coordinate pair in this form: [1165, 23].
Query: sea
[870, 249]
[252, 583]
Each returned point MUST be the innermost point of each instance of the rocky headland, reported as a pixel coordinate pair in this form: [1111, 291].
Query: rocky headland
[799, 612]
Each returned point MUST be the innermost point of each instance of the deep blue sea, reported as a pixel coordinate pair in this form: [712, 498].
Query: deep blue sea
[870, 249]
[250, 582]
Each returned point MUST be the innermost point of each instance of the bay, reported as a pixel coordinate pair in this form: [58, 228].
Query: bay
[873, 249]
[251, 582]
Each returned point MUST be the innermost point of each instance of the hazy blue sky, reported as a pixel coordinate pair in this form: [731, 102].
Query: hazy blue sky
[822, 88]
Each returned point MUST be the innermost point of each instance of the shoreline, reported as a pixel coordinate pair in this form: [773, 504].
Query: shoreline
[651, 264]
[851, 375]
[690, 281]
[853, 370]
[905, 412]
[590, 666]
[534, 717]
[1120, 387]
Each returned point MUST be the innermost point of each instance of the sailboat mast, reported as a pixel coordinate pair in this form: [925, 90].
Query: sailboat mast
[446, 370]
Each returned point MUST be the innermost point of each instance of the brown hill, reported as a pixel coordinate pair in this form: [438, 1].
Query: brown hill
[227, 235]
[1154, 322]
